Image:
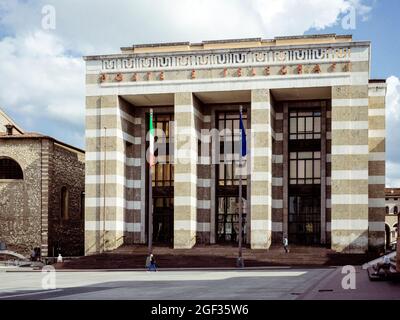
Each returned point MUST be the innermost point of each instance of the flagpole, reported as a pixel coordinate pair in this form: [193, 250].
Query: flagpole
[240, 260]
[150, 232]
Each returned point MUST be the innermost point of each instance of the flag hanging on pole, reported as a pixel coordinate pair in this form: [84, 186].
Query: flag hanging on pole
[242, 136]
[151, 149]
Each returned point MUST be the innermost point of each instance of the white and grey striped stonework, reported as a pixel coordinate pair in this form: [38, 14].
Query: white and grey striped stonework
[349, 180]
[277, 172]
[204, 184]
[377, 172]
[185, 170]
[109, 112]
[261, 170]
[135, 186]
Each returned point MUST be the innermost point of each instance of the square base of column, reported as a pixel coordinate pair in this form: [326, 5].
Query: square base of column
[184, 239]
[350, 242]
[260, 239]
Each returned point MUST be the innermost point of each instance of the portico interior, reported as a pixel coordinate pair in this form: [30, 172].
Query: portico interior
[300, 145]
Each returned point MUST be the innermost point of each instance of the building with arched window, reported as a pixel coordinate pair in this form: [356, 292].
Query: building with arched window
[41, 186]
[392, 203]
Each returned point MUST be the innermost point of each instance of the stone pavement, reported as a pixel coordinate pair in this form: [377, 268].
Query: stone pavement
[330, 288]
[267, 284]
[164, 285]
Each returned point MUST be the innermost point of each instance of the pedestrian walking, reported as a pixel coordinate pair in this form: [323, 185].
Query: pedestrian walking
[151, 263]
[286, 244]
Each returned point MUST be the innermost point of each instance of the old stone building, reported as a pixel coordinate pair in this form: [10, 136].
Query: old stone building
[41, 193]
[392, 202]
[315, 150]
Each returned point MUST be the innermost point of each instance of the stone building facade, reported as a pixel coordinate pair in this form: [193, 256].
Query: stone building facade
[315, 140]
[392, 201]
[41, 194]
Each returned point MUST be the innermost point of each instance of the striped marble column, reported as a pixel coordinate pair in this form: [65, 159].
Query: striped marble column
[103, 112]
[377, 141]
[185, 171]
[277, 172]
[204, 178]
[349, 181]
[261, 169]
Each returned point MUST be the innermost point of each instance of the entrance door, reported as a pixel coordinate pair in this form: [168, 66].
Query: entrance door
[228, 219]
[305, 219]
[163, 223]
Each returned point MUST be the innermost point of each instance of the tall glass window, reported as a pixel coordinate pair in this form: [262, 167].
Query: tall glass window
[163, 180]
[163, 170]
[304, 159]
[228, 126]
[227, 180]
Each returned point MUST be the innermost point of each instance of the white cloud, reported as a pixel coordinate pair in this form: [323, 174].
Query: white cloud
[393, 127]
[94, 26]
[40, 80]
[42, 73]
[392, 174]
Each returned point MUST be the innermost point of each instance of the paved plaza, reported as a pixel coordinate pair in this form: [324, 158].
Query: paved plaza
[282, 284]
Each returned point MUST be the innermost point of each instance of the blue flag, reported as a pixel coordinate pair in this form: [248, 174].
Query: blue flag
[243, 136]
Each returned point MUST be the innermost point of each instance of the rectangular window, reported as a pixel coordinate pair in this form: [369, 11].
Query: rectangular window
[163, 170]
[228, 125]
[305, 168]
[305, 125]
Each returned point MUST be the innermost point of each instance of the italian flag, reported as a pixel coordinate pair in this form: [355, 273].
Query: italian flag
[151, 149]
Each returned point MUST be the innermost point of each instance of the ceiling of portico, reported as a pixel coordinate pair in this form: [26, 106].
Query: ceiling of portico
[151, 100]
[239, 96]
[301, 94]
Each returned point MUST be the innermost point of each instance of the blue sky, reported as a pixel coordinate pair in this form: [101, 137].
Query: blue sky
[42, 73]
[382, 28]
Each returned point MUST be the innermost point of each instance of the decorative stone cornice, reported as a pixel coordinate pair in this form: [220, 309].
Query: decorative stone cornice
[238, 58]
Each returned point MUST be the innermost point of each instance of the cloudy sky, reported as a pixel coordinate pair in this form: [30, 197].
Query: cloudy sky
[42, 72]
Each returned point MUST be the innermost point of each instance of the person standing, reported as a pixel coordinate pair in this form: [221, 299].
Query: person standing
[286, 244]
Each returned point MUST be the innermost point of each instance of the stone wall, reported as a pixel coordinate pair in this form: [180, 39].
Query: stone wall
[30, 208]
[20, 200]
[68, 170]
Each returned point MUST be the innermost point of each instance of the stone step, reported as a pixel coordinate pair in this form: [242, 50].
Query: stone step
[127, 257]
